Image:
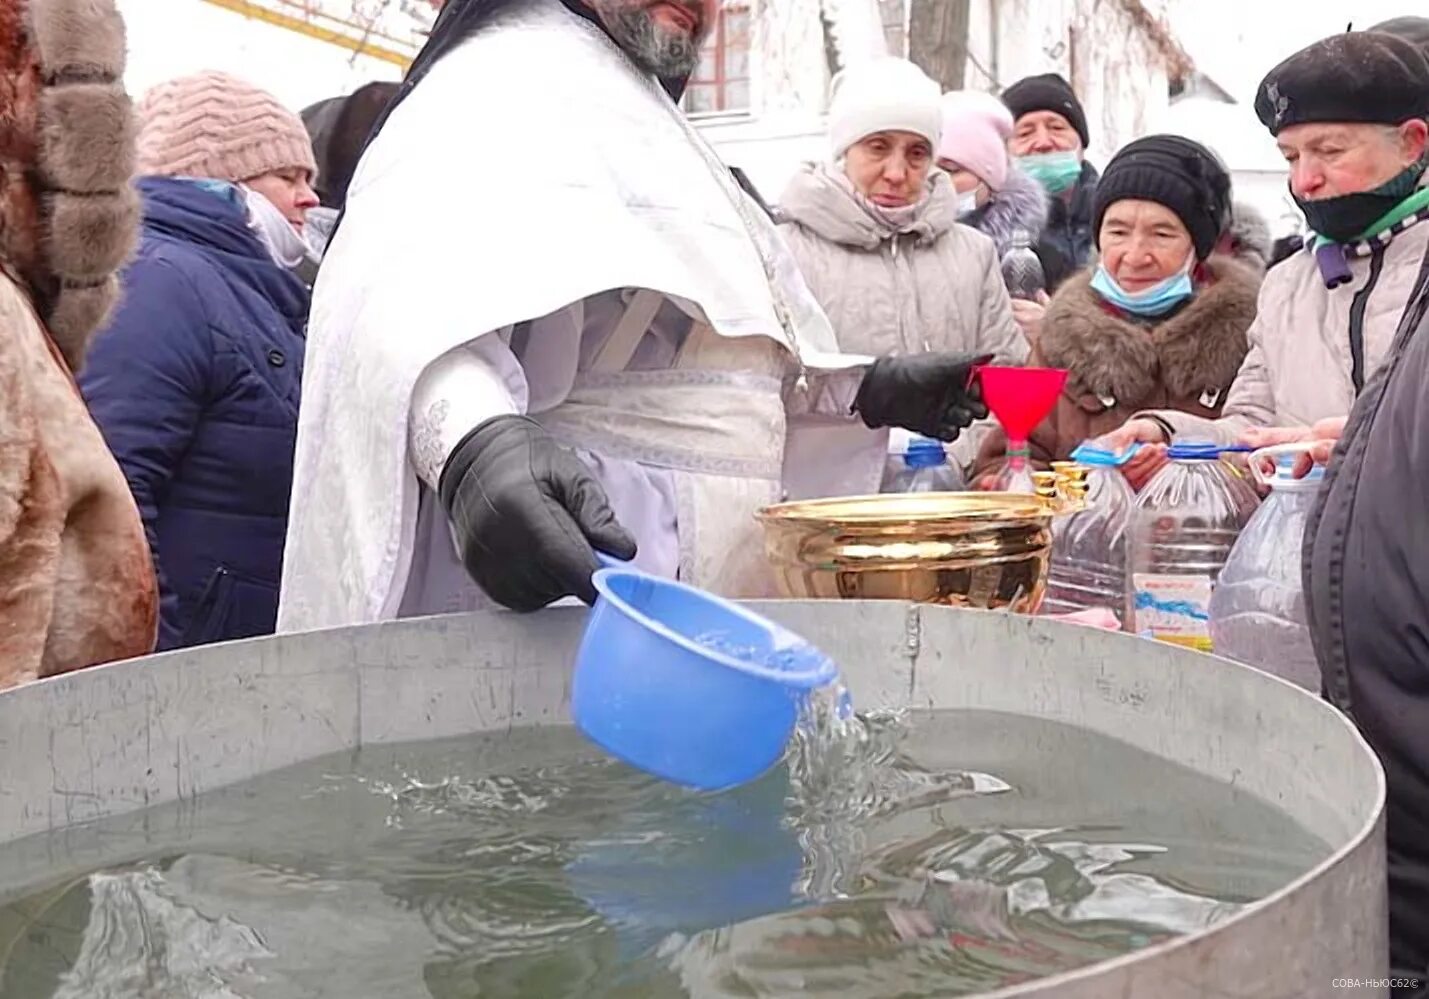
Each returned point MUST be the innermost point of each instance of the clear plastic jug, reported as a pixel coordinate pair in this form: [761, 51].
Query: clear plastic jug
[1088, 569]
[924, 469]
[1179, 536]
[1258, 607]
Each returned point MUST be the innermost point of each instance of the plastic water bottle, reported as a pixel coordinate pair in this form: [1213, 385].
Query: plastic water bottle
[926, 469]
[1258, 607]
[1089, 547]
[1021, 268]
[1179, 536]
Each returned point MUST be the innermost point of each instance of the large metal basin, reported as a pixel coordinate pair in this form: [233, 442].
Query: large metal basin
[168, 728]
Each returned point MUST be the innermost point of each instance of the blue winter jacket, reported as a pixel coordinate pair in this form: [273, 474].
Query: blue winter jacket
[195, 386]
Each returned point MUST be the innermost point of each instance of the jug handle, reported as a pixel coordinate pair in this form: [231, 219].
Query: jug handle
[610, 561]
[1260, 456]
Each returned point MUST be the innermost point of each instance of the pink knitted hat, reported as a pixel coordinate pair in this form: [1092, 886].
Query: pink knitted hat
[218, 127]
[976, 127]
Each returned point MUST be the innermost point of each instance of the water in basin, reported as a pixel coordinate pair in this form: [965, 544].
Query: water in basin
[933, 854]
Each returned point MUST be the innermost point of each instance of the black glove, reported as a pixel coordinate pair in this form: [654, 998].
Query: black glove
[926, 393]
[526, 514]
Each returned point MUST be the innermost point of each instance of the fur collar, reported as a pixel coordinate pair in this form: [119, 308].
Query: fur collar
[1021, 204]
[69, 218]
[1199, 348]
[821, 199]
[1249, 235]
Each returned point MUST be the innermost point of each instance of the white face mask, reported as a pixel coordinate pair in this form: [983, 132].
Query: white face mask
[967, 202]
[287, 248]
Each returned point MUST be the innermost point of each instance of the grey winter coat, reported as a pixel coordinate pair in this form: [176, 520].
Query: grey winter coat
[934, 285]
[1367, 595]
[1312, 347]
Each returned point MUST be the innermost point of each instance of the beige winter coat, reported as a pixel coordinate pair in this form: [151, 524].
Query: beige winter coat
[934, 285]
[1300, 367]
[76, 582]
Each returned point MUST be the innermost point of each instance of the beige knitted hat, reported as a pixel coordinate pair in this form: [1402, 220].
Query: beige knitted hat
[216, 126]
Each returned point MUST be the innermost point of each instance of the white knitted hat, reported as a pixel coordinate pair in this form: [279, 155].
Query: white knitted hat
[883, 95]
[219, 127]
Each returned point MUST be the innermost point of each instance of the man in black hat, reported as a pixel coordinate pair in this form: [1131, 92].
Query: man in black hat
[1049, 142]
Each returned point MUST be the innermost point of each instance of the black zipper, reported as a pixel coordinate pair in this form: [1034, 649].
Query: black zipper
[1357, 311]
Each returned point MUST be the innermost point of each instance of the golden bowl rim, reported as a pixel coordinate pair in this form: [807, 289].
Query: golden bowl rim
[925, 508]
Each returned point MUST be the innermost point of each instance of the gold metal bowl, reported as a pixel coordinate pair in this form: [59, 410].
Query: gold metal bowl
[988, 550]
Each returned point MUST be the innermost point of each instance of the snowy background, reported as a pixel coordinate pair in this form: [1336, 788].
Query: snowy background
[1232, 42]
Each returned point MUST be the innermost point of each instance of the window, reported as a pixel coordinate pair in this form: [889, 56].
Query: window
[721, 80]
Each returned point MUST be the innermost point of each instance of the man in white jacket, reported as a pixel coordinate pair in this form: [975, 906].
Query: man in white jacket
[566, 354]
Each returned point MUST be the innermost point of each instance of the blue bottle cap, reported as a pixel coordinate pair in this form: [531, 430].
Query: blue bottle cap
[924, 453]
[1089, 454]
[1285, 473]
[1194, 451]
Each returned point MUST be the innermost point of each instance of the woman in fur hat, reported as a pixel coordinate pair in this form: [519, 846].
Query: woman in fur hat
[1161, 320]
[76, 584]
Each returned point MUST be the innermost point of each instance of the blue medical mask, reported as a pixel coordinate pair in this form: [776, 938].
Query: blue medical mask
[1056, 172]
[1157, 300]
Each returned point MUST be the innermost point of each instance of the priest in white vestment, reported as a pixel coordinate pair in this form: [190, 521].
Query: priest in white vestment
[551, 322]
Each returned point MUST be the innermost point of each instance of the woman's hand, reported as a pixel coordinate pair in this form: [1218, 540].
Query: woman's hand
[1028, 315]
[1322, 436]
[1146, 462]
[1144, 465]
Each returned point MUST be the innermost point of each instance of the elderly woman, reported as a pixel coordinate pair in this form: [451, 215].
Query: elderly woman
[994, 196]
[195, 384]
[876, 234]
[1161, 320]
[1359, 169]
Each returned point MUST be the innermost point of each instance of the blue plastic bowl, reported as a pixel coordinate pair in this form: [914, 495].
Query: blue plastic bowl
[686, 686]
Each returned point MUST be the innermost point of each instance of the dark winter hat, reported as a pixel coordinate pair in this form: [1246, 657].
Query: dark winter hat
[1414, 30]
[1359, 76]
[1183, 175]
[1048, 92]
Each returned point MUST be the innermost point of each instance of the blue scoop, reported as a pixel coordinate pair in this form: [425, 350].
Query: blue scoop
[685, 685]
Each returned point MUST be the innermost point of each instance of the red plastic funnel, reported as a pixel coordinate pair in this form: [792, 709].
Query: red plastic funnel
[1020, 398]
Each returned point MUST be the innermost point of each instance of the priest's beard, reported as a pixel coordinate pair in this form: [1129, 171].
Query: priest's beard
[653, 48]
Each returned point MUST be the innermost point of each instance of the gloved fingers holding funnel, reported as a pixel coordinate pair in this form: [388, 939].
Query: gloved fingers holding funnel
[929, 394]
[527, 515]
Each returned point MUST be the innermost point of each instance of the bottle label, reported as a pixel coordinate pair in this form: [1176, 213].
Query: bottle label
[1175, 609]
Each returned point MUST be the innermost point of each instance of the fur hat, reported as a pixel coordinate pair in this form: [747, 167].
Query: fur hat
[69, 217]
[976, 127]
[1358, 76]
[1048, 92]
[883, 95]
[219, 127]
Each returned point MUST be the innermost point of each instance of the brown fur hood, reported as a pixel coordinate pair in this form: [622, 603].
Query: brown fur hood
[1199, 348]
[69, 217]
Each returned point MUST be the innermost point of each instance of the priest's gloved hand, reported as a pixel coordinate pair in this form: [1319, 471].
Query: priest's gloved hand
[929, 394]
[526, 514]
